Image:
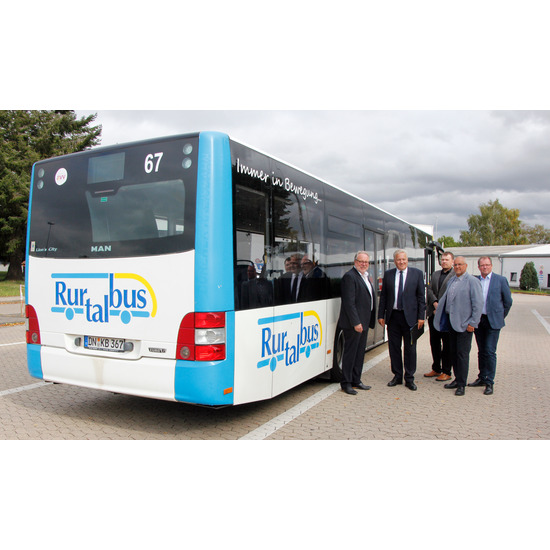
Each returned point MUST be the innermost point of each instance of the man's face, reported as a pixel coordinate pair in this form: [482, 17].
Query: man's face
[294, 264]
[307, 265]
[485, 267]
[362, 263]
[446, 262]
[401, 261]
[460, 266]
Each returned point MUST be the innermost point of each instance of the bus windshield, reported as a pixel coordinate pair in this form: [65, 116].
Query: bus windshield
[136, 202]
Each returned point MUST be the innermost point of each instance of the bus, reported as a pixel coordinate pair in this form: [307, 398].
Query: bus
[164, 268]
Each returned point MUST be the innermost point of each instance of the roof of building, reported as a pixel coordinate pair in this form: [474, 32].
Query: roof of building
[508, 250]
[535, 252]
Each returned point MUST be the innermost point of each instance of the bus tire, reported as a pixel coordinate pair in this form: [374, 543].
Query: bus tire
[336, 370]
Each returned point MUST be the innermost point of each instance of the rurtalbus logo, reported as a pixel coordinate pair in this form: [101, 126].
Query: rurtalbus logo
[102, 296]
[288, 342]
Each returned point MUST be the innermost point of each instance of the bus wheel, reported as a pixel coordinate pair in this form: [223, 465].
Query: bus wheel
[336, 370]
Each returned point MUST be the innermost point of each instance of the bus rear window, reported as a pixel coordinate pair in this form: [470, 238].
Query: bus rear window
[144, 211]
[136, 200]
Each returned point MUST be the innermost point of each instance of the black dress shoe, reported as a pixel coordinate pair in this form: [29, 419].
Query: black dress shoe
[349, 390]
[459, 390]
[488, 389]
[361, 386]
[477, 383]
[411, 386]
[394, 382]
[452, 385]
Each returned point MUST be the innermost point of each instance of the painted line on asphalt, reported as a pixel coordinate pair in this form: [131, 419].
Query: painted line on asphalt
[542, 320]
[24, 388]
[12, 344]
[279, 421]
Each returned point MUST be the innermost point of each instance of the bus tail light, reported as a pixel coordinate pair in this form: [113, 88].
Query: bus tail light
[33, 329]
[201, 337]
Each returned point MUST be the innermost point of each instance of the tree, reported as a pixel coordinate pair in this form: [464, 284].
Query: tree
[536, 235]
[447, 242]
[496, 225]
[528, 279]
[25, 138]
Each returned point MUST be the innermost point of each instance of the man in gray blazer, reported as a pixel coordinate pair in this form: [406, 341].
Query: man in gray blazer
[497, 304]
[459, 312]
[439, 341]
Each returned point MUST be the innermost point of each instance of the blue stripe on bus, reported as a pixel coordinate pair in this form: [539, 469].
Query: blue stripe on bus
[34, 361]
[80, 275]
[28, 239]
[214, 225]
[276, 319]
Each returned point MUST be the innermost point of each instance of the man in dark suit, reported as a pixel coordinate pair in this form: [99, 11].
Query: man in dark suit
[439, 341]
[497, 304]
[402, 306]
[357, 314]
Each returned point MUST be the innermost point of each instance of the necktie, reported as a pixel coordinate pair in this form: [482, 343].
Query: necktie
[400, 292]
[293, 286]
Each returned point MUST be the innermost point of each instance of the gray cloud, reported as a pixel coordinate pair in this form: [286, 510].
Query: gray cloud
[428, 167]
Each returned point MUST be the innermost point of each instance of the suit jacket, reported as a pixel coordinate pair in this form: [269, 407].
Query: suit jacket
[357, 306]
[435, 290]
[465, 304]
[499, 300]
[414, 301]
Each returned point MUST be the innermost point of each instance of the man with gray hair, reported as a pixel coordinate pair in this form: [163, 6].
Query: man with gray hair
[357, 314]
[402, 306]
[459, 312]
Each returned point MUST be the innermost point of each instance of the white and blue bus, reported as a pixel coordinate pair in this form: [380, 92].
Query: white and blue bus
[165, 269]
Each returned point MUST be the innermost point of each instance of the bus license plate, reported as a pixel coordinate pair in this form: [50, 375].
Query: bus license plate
[104, 344]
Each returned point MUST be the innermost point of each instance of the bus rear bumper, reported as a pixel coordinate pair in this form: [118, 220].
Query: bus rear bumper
[146, 377]
[208, 383]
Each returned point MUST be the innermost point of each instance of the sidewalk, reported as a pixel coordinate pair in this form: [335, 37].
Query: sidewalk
[11, 310]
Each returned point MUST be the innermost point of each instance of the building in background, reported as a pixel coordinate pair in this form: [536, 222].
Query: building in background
[508, 261]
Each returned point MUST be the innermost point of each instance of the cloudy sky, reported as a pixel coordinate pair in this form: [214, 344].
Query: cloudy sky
[428, 167]
[401, 103]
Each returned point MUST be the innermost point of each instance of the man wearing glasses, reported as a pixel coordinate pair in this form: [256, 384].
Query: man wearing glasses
[357, 314]
[459, 312]
[497, 303]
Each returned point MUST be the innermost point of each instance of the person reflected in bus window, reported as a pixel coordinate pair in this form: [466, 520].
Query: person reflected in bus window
[257, 291]
[357, 315]
[313, 284]
[287, 283]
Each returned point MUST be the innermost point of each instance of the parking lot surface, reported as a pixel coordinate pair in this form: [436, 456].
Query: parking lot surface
[519, 409]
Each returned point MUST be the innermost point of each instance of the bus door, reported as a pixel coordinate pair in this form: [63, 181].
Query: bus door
[254, 295]
[374, 245]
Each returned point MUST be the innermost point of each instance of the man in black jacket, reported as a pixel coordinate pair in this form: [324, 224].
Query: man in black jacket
[402, 306]
[357, 314]
[439, 341]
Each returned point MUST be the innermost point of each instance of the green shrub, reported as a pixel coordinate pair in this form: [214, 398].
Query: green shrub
[529, 279]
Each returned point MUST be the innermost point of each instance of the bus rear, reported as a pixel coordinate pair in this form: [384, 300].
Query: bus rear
[118, 299]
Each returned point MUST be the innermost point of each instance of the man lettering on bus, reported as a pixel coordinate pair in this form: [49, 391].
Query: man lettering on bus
[497, 303]
[357, 314]
[402, 306]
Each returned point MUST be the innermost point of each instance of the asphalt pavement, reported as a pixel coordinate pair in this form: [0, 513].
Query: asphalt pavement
[519, 409]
